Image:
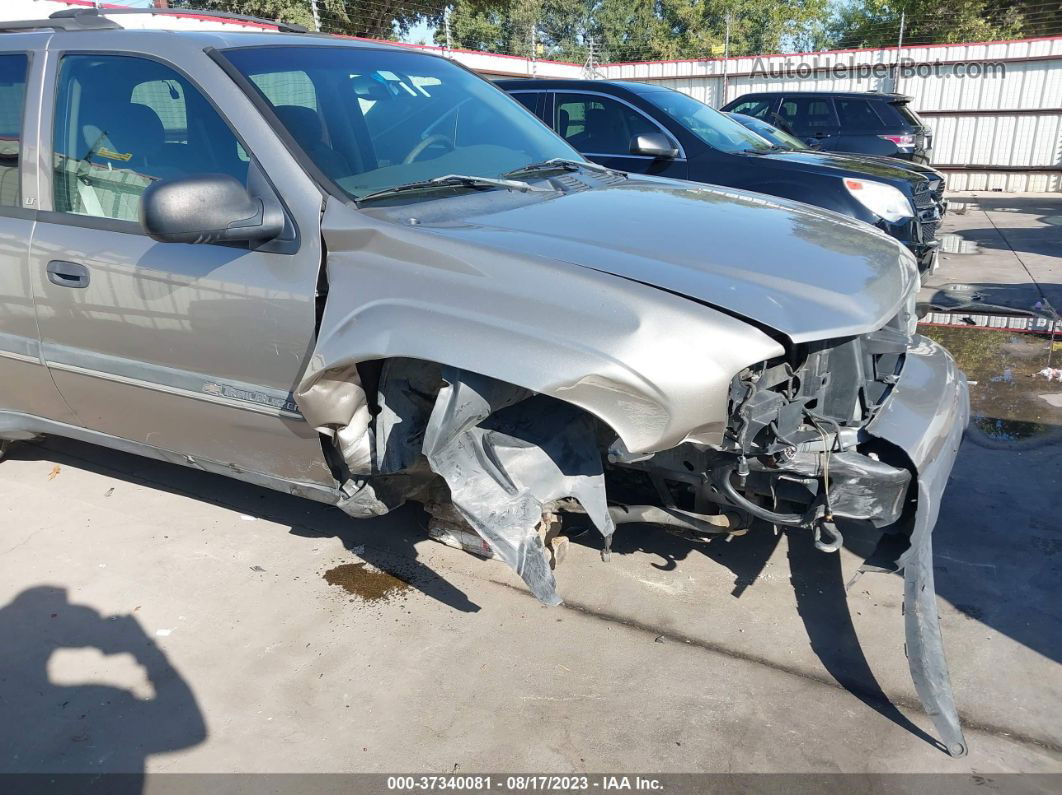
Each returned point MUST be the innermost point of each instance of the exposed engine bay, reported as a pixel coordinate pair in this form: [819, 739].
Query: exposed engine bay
[796, 452]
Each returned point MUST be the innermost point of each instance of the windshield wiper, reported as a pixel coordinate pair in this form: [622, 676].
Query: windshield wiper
[563, 164]
[449, 181]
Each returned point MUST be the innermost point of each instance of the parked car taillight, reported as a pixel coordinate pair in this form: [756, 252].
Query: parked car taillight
[900, 140]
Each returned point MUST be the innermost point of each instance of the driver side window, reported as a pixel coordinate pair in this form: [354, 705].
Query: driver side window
[599, 125]
[122, 123]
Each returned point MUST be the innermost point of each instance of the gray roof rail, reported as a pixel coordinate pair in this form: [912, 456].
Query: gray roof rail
[74, 19]
[104, 13]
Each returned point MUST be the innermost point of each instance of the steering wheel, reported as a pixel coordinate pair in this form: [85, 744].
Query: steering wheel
[418, 150]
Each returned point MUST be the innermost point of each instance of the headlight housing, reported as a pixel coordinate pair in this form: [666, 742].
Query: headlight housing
[883, 200]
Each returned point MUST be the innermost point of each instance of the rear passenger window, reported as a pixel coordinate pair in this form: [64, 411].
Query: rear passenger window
[808, 114]
[904, 111]
[857, 114]
[122, 123]
[12, 100]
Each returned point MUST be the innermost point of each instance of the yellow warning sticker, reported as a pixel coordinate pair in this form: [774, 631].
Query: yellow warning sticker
[112, 155]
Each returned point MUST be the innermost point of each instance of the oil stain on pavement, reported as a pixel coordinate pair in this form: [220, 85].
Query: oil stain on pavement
[369, 584]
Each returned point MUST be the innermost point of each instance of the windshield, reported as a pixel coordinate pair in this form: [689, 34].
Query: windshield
[714, 128]
[372, 119]
[770, 132]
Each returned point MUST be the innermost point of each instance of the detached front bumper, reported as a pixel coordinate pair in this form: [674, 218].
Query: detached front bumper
[925, 416]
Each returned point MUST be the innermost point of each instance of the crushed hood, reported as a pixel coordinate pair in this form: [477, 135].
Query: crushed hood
[808, 273]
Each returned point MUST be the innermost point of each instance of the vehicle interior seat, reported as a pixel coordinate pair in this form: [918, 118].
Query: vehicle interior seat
[563, 120]
[603, 132]
[124, 150]
[9, 150]
[305, 127]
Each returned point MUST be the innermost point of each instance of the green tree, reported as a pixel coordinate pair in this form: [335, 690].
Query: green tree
[553, 27]
[627, 30]
[696, 28]
[876, 23]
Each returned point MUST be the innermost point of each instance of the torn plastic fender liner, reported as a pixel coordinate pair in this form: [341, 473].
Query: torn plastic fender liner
[925, 416]
[334, 403]
[506, 454]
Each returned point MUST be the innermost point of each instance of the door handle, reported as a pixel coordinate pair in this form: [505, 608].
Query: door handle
[68, 274]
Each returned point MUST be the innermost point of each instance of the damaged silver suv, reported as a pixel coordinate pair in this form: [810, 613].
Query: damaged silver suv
[364, 275]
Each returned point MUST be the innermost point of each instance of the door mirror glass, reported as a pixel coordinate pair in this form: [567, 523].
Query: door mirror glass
[210, 208]
[654, 144]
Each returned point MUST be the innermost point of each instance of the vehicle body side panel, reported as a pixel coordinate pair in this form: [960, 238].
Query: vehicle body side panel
[27, 385]
[212, 337]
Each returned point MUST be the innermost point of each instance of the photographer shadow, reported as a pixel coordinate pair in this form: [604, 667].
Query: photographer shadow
[101, 730]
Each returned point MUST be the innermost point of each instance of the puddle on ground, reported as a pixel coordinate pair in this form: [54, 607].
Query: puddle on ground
[1009, 430]
[372, 585]
[1009, 399]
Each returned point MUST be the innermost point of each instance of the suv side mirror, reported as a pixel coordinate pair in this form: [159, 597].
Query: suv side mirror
[209, 208]
[654, 144]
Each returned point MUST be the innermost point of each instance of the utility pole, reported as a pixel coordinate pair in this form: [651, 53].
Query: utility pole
[162, 4]
[446, 28]
[534, 50]
[899, 49]
[316, 16]
[590, 68]
[726, 58]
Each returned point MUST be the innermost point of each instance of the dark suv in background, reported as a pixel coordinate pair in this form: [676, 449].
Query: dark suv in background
[867, 122]
[786, 140]
[647, 129]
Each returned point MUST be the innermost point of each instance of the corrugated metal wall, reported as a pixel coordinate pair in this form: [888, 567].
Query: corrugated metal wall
[995, 128]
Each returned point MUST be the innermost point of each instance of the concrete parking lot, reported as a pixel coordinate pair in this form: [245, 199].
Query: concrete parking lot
[156, 618]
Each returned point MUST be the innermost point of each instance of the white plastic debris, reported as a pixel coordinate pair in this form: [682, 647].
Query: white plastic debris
[1051, 373]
